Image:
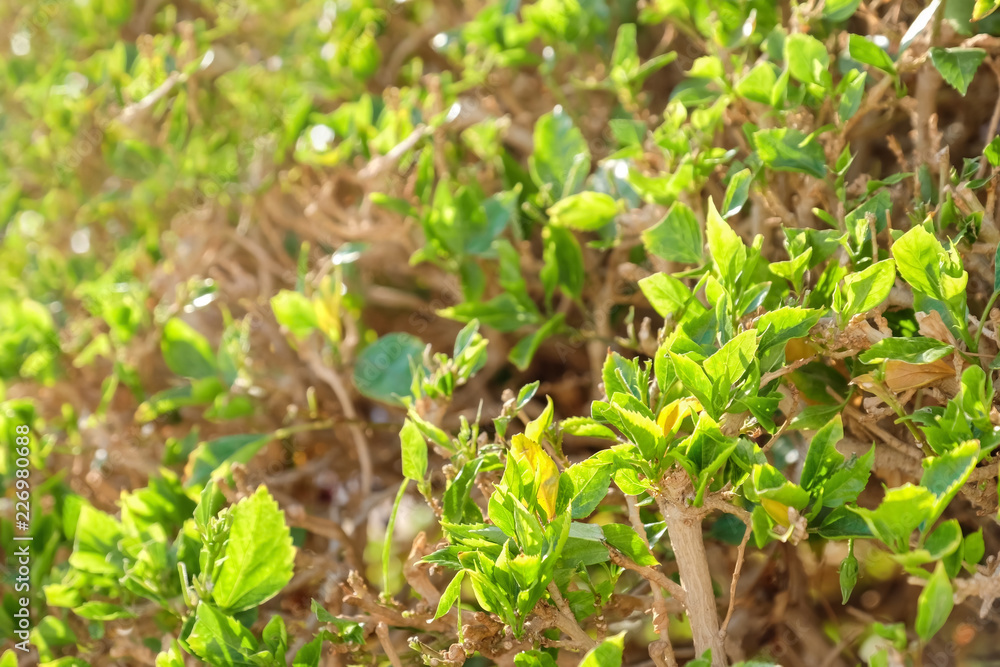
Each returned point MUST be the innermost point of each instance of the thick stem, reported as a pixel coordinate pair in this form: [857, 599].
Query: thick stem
[687, 542]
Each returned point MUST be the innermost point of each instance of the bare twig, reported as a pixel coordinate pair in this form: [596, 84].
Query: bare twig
[382, 630]
[652, 575]
[333, 379]
[566, 621]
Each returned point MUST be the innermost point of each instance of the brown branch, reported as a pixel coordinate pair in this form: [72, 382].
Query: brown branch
[662, 650]
[566, 621]
[688, 544]
[382, 630]
[716, 503]
[652, 575]
[333, 379]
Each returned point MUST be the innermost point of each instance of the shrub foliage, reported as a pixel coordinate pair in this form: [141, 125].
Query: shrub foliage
[564, 332]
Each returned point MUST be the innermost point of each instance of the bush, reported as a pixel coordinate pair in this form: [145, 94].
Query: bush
[370, 332]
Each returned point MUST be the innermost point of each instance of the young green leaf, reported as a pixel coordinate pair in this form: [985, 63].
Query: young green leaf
[737, 191]
[853, 89]
[606, 654]
[275, 635]
[944, 475]
[669, 296]
[934, 604]
[414, 448]
[992, 152]
[259, 555]
[958, 66]
[840, 10]
[591, 479]
[823, 458]
[927, 267]
[788, 149]
[295, 312]
[383, 371]
[864, 51]
[728, 250]
[860, 292]
[561, 160]
[221, 640]
[585, 211]
[626, 540]
[902, 510]
[807, 59]
[186, 352]
[918, 350]
[450, 596]
[677, 237]
[984, 8]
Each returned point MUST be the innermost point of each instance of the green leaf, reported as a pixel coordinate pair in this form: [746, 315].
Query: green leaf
[902, 510]
[777, 327]
[911, 350]
[383, 369]
[807, 59]
[823, 458]
[928, 268]
[729, 364]
[787, 149]
[586, 427]
[759, 83]
[219, 639]
[864, 51]
[958, 66]
[186, 352]
[694, 379]
[347, 631]
[522, 353]
[208, 457]
[414, 448]
[563, 263]
[606, 654]
[934, 604]
[853, 87]
[585, 211]
[840, 10]
[259, 555]
[561, 160]
[861, 291]
[310, 654]
[450, 595]
[532, 658]
[984, 8]
[95, 548]
[677, 237]
[992, 152]
[626, 540]
[849, 480]
[295, 312]
[102, 611]
[944, 475]
[503, 312]
[591, 479]
[275, 635]
[669, 296]
[638, 427]
[737, 191]
[728, 250]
